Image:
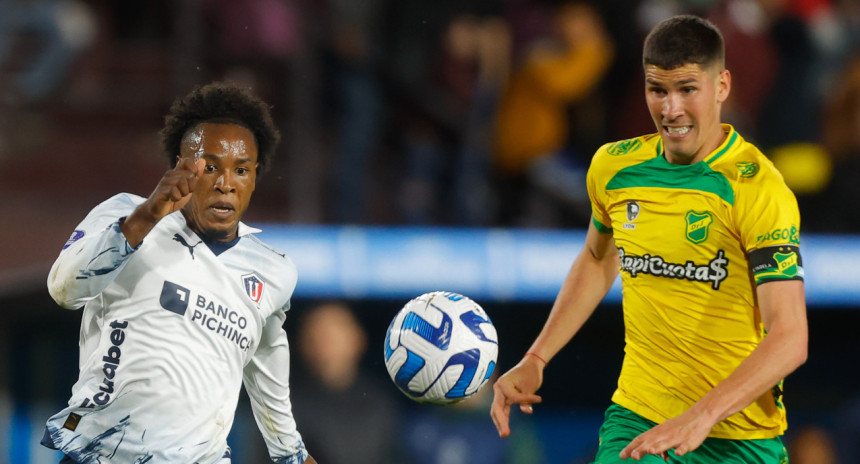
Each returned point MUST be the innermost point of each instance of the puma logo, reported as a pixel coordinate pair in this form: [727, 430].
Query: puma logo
[181, 240]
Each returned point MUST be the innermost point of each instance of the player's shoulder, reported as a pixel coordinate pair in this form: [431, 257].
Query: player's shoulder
[272, 266]
[629, 151]
[615, 156]
[128, 199]
[744, 165]
[269, 254]
[121, 204]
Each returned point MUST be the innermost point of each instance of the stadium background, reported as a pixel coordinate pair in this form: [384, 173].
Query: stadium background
[387, 185]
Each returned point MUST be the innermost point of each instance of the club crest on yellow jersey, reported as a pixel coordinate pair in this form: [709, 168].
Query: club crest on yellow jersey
[698, 225]
[747, 168]
[623, 147]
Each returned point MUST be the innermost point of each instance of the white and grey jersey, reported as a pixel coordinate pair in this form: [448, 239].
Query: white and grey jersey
[169, 333]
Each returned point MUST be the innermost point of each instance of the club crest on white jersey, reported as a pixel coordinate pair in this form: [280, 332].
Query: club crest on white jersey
[253, 285]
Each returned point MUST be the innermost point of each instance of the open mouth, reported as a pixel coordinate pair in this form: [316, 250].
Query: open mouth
[678, 131]
[222, 209]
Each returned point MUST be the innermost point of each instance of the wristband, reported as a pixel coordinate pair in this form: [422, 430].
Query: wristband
[536, 356]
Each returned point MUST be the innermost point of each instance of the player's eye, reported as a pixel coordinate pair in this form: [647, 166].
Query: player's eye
[242, 171]
[209, 168]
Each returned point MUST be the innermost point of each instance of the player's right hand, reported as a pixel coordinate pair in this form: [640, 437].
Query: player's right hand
[171, 194]
[517, 386]
[175, 188]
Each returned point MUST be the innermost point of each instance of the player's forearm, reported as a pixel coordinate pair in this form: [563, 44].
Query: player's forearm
[782, 350]
[587, 282]
[138, 224]
[777, 356]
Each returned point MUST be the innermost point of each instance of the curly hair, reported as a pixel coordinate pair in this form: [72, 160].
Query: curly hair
[220, 102]
[681, 40]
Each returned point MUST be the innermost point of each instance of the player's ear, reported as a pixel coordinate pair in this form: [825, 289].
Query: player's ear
[724, 85]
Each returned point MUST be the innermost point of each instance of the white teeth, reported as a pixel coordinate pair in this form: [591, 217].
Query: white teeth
[678, 130]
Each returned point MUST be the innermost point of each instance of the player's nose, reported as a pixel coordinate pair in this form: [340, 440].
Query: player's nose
[673, 107]
[225, 183]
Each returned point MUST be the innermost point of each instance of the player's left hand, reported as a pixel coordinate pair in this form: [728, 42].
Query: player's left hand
[684, 433]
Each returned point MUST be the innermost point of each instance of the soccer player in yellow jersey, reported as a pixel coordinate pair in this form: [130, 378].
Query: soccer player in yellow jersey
[705, 234]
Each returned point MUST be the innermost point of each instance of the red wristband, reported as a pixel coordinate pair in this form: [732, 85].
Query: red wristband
[536, 356]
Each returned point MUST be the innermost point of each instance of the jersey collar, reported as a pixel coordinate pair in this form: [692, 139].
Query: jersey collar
[729, 142]
[245, 229]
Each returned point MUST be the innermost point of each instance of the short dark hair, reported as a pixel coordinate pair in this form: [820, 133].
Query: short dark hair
[681, 40]
[225, 103]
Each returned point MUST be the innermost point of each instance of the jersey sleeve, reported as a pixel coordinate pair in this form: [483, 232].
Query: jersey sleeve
[596, 183]
[768, 219]
[94, 254]
[267, 381]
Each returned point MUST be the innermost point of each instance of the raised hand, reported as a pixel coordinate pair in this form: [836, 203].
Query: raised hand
[174, 190]
[171, 194]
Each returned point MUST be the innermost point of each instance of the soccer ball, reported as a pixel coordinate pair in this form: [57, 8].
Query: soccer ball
[441, 348]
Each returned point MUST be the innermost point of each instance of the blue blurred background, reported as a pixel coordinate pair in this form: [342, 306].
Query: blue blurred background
[427, 145]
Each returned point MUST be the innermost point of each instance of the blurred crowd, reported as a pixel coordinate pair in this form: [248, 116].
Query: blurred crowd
[467, 112]
[418, 112]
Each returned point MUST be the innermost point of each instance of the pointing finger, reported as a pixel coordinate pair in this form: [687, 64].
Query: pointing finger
[194, 166]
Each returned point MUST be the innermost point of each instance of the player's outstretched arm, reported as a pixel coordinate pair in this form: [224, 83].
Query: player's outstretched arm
[171, 194]
[783, 349]
[586, 284]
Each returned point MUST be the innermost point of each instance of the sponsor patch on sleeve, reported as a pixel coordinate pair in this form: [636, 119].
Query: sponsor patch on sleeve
[72, 422]
[780, 262]
[76, 235]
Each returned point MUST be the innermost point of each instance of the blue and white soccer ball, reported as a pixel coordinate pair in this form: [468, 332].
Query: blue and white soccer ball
[441, 348]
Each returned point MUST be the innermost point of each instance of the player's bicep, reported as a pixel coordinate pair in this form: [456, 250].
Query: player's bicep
[273, 334]
[600, 244]
[783, 312]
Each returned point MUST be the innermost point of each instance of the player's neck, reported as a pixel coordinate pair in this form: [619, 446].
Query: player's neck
[711, 144]
[209, 236]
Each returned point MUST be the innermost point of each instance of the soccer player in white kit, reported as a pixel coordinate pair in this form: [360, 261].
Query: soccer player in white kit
[182, 305]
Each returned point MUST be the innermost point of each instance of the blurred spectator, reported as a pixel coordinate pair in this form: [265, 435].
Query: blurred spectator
[345, 414]
[834, 29]
[848, 423]
[252, 43]
[812, 445]
[62, 29]
[791, 111]
[447, 149]
[752, 60]
[532, 124]
[841, 135]
[357, 102]
[806, 168]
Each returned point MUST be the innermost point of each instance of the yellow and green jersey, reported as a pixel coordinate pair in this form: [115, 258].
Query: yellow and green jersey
[694, 241]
